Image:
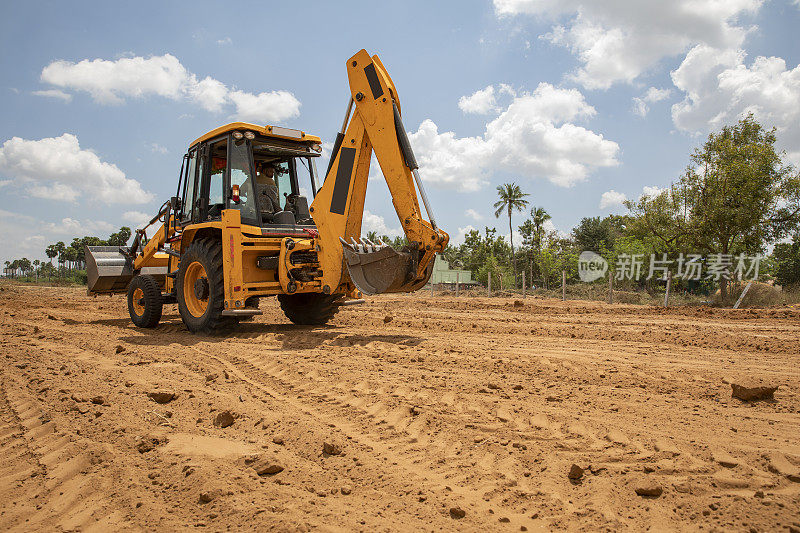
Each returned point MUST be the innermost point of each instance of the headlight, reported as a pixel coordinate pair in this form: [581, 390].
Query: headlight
[249, 135]
[237, 135]
[317, 147]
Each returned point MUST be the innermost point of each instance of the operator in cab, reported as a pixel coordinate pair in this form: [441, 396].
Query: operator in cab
[266, 189]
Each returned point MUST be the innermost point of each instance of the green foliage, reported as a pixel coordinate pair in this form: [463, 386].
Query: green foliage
[511, 199]
[736, 196]
[597, 234]
[502, 275]
[71, 259]
[786, 262]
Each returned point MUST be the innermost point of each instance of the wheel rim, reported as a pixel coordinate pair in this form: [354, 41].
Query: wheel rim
[195, 305]
[138, 296]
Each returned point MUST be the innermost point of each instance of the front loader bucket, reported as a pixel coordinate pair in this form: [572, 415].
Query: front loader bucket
[108, 269]
[379, 268]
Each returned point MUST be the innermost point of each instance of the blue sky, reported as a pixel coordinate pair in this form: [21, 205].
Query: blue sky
[581, 103]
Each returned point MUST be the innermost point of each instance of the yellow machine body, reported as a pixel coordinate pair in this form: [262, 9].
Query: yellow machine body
[324, 257]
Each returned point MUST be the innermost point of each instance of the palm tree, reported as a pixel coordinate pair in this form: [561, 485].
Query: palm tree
[540, 216]
[511, 199]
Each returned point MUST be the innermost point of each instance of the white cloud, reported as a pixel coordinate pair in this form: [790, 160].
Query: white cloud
[653, 95]
[54, 93]
[448, 161]
[265, 107]
[112, 82]
[136, 218]
[19, 237]
[652, 192]
[71, 226]
[226, 40]
[720, 88]
[376, 223]
[209, 93]
[4, 183]
[533, 136]
[460, 237]
[157, 148]
[612, 198]
[619, 40]
[57, 168]
[480, 102]
[474, 215]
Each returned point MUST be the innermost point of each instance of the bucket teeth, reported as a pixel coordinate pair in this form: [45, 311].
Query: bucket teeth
[363, 245]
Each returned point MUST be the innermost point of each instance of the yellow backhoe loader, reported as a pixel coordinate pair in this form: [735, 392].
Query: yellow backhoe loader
[240, 227]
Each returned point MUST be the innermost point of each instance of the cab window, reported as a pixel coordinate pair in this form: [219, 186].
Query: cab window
[241, 176]
[216, 181]
[189, 186]
[283, 180]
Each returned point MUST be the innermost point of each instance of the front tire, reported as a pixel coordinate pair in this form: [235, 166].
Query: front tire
[145, 303]
[309, 308]
[200, 286]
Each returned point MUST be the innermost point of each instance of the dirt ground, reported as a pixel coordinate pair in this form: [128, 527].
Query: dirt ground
[406, 413]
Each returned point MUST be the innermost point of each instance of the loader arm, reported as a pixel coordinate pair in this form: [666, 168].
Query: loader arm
[338, 209]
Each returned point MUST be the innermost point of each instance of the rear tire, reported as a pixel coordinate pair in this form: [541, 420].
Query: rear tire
[145, 303]
[200, 287]
[309, 308]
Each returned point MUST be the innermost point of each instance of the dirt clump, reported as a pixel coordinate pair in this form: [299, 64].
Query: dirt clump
[648, 489]
[161, 397]
[331, 448]
[752, 393]
[457, 513]
[224, 419]
[267, 467]
[575, 473]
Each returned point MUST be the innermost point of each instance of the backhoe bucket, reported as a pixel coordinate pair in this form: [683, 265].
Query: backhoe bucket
[379, 268]
[108, 269]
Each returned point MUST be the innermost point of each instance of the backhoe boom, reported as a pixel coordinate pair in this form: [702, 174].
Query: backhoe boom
[375, 126]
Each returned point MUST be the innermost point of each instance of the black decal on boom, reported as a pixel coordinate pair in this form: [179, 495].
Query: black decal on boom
[341, 187]
[374, 83]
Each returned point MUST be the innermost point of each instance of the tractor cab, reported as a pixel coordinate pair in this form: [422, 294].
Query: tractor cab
[266, 172]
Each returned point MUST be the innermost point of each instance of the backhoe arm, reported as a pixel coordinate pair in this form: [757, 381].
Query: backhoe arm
[338, 208]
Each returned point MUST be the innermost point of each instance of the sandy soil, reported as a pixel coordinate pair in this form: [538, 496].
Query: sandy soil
[467, 404]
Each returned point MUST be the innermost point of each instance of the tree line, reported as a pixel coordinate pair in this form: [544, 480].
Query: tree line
[736, 196]
[70, 258]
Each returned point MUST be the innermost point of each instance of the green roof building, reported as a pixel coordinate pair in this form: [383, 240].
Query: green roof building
[442, 273]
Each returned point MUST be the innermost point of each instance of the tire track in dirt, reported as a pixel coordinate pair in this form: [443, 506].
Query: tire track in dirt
[631, 395]
[404, 444]
[60, 470]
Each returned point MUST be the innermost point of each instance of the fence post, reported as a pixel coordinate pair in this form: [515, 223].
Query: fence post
[563, 285]
[457, 284]
[489, 285]
[523, 284]
[666, 294]
[610, 287]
